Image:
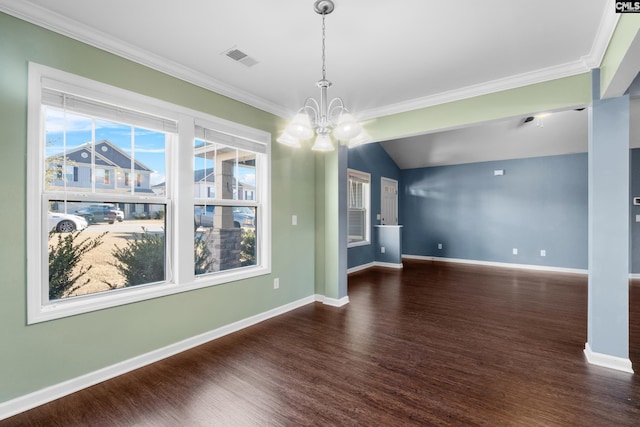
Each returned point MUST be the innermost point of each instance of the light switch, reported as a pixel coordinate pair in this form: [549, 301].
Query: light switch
[637, 218]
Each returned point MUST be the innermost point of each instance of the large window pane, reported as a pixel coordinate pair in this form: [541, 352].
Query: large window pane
[123, 159]
[225, 237]
[97, 247]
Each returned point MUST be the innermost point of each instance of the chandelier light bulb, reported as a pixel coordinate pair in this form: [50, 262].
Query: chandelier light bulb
[287, 139]
[346, 128]
[300, 127]
[323, 143]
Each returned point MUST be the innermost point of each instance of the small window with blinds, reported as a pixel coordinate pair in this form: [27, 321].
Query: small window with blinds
[358, 193]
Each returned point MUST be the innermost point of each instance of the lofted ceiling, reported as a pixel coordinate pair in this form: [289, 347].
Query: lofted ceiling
[382, 58]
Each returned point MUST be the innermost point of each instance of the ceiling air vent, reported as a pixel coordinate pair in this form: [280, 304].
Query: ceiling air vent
[241, 57]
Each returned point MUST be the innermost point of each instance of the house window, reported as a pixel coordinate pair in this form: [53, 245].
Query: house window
[358, 193]
[103, 177]
[86, 139]
[72, 173]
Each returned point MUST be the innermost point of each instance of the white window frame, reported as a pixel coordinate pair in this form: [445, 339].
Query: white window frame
[364, 177]
[179, 199]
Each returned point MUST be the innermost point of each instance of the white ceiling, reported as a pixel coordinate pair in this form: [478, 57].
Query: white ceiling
[382, 57]
[559, 133]
[564, 132]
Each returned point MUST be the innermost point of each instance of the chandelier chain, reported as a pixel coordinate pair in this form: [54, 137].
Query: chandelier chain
[324, 68]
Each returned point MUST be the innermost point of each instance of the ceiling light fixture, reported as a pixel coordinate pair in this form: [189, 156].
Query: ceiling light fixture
[321, 118]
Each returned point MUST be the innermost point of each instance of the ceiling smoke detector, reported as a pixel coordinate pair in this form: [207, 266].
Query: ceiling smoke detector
[241, 57]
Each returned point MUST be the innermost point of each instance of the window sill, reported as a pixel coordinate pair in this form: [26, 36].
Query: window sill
[356, 244]
[85, 304]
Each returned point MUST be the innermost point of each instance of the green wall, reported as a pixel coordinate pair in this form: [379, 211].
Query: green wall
[552, 95]
[41, 355]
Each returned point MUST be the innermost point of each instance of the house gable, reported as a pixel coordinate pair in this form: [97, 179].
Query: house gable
[107, 154]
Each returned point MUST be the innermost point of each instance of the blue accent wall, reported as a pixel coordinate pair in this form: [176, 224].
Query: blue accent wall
[539, 203]
[371, 158]
[634, 262]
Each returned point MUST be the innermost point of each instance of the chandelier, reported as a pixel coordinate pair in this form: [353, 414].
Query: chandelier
[324, 118]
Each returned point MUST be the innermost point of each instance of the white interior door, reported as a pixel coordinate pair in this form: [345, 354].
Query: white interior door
[389, 201]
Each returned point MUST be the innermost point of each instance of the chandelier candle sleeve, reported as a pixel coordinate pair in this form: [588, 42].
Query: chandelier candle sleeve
[324, 118]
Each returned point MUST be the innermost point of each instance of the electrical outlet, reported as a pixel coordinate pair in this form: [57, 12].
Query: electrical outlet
[515, 251]
[543, 252]
[294, 219]
[276, 283]
[382, 249]
[439, 245]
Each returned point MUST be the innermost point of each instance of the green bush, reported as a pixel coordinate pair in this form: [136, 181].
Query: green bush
[142, 260]
[158, 215]
[202, 255]
[248, 247]
[64, 256]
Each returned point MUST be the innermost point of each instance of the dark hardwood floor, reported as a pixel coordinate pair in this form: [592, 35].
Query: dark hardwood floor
[432, 344]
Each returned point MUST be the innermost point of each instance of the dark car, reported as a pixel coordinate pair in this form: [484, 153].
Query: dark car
[101, 213]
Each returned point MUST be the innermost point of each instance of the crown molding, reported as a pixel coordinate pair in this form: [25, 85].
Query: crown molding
[604, 33]
[511, 82]
[606, 28]
[60, 24]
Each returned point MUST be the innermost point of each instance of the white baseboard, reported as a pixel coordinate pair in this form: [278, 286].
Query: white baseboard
[40, 397]
[498, 264]
[360, 267]
[389, 265]
[607, 361]
[332, 301]
[374, 264]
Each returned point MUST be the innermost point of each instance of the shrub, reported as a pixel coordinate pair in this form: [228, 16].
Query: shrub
[142, 260]
[248, 247]
[202, 255]
[63, 259]
[158, 214]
